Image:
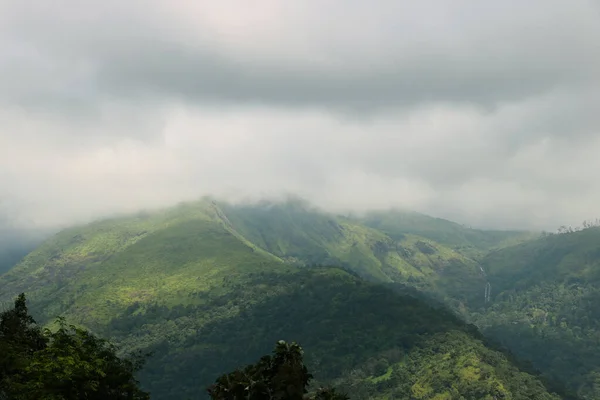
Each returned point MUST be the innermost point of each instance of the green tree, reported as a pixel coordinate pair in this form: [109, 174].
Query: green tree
[20, 339]
[280, 376]
[69, 363]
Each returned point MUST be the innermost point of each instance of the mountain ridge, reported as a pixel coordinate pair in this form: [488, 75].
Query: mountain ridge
[544, 306]
[181, 280]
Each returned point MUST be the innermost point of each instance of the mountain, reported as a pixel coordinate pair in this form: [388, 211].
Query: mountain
[545, 306]
[300, 234]
[471, 242]
[206, 290]
[109, 265]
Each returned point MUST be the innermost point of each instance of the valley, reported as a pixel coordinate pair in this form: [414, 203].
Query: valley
[386, 304]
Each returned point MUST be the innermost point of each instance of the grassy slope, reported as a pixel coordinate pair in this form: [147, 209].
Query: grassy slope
[299, 234]
[473, 243]
[188, 284]
[94, 272]
[545, 306]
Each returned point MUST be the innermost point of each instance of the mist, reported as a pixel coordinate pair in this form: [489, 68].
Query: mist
[482, 114]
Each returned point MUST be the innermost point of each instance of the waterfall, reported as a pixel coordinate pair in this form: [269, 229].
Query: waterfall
[487, 294]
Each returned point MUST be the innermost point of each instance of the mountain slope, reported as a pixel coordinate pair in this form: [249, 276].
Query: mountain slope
[471, 242]
[299, 234]
[107, 266]
[189, 285]
[545, 306]
[398, 345]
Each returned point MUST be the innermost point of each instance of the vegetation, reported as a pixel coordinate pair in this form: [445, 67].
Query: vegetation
[302, 235]
[208, 287]
[282, 376]
[205, 241]
[316, 307]
[471, 242]
[69, 363]
[545, 306]
[400, 346]
[93, 273]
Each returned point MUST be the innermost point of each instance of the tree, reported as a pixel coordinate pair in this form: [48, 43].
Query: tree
[280, 376]
[20, 339]
[69, 363]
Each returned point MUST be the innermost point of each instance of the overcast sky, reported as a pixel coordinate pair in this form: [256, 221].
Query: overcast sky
[485, 112]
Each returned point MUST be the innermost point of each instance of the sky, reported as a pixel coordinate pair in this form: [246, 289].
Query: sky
[487, 113]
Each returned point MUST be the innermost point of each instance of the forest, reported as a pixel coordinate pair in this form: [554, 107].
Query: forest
[546, 306]
[72, 363]
[384, 305]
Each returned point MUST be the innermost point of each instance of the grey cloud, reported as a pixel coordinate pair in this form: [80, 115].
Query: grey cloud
[377, 57]
[338, 164]
[482, 112]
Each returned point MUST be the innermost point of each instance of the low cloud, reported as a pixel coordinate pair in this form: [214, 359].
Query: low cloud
[486, 114]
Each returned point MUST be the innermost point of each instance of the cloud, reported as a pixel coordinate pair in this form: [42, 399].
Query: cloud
[374, 55]
[485, 113]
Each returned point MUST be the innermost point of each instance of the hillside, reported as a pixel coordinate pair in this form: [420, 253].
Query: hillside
[109, 265]
[545, 305]
[302, 235]
[398, 346]
[471, 242]
[190, 284]
[298, 234]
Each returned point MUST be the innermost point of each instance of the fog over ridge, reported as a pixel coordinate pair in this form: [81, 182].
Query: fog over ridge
[485, 114]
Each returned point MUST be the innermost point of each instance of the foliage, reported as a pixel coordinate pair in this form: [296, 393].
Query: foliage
[473, 243]
[302, 235]
[206, 289]
[316, 307]
[20, 340]
[545, 307]
[69, 363]
[451, 366]
[91, 273]
[282, 376]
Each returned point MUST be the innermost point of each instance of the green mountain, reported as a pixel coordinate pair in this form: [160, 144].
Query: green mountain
[471, 242]
[545, 305]
[94, 272]
[299, 234]
[209, 288]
